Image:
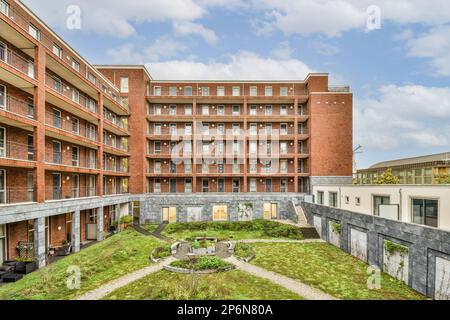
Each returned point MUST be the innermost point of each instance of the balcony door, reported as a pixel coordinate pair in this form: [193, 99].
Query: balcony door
[2, 96]
[268, 185]
[75, 186]
[2, 243]
[173, 186]
[2, 142]
[56, 186]
[236, 186]
[3, 49]
[2, 186]
[57, 152]
[57, 118]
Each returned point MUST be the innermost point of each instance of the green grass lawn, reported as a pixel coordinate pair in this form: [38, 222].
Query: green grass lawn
[231, 285]
[329, 269]
[258, 229]
[114, 257]
[150, 227]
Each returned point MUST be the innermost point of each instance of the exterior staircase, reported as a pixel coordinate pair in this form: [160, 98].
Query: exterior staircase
[308, 231]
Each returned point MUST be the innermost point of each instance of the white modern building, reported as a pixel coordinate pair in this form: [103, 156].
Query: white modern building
[421, 204]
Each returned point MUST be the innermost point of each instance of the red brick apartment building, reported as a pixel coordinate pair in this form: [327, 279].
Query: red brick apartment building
[78, 141]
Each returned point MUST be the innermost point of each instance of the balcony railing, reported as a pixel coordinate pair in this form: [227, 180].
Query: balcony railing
[71, 93]
[56, 158]
[117, 121]
[116, 145]
[117, 168]
[58, 122]
[339, 89]
[16, 151]
[17, 106]
[17, 62]
[11, 195]
[70, 192]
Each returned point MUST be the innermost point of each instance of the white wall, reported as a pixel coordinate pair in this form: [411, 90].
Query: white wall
[399, 194]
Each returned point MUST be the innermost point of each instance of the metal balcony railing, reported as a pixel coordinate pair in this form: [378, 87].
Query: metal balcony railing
[11, 195]
[17, 106]
[71, 192]
[55, 121]
[16, 61]
[16, 151]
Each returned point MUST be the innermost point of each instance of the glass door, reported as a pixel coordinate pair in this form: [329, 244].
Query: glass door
[2, 142]
[2, 95]
[236, 186]
[2, 186]
[2, 244]
[56, 186]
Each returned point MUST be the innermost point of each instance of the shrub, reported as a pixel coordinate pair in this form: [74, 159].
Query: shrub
[162, 252]
[126, 219]
[243, 250]
[202, 263]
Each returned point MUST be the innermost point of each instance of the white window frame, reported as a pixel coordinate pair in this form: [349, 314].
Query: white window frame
[268, 110]
[57, 50]
[253, 185]
[283, 148]
[187, 131]
[157, 91]
[220, 91]
[204, 91]
[157, 109]
[156, 131]
[253, 166]
[157, 186]
[186, 91]
[253, 110]
[76, 96]
[34, 32]
[205, 110]
[188, 110]
[284, 91]
[188, 182]
[3, 145]
[283, 166]
[77, 121]
[283, 110]
[3, 105]
[157, 166]
[124, 85]
[253, 129]
[6, 8]
[173, 91]
[3, 190]
[236, 91]
[75, 65]
[268, 91]
[220, 110]
[253, 91]
[283, 129]
[173, 110]
[238, 112]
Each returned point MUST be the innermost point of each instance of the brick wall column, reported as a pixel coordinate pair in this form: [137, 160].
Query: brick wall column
[76, 229]
[296, 145]
[100, 219]
[39, 242]
[39, 130]
[246, 157]
[194, 146]
[100, 148]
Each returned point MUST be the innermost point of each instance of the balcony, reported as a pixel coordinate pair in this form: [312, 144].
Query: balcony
[15, 195]
[345, 89]
[16, 70]
[69, 192]
[116, 148]
[115, 125]
[15, 154]
[64, 129]
[115, 169]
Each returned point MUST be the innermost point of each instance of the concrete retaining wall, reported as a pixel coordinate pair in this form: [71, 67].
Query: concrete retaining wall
[365, 236]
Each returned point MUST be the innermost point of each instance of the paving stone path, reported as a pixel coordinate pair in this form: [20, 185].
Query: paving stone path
[109, 287]
[281, 241]
[303, 290]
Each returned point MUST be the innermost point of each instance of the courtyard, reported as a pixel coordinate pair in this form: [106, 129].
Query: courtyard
[270, 261]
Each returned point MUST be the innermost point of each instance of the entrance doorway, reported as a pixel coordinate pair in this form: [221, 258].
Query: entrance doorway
[270, 211]
[169, 214]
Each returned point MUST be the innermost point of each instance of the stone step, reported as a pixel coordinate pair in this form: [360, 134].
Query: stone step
[309, 233]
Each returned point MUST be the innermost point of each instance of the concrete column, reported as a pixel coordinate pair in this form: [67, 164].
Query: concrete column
[100, 224]
[76, 230]
[39, 242]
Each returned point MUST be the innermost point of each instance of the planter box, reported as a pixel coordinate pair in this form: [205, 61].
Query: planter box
[63, 251]
[25, 267]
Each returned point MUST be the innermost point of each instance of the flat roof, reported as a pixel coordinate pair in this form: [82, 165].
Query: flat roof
[412, 161]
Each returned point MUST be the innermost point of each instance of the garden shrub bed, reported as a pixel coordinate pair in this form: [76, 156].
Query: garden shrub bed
[227, 230]
[204, 264]
[160, 253]
[244, 251]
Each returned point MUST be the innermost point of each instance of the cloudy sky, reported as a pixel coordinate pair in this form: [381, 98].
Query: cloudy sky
[399, 73]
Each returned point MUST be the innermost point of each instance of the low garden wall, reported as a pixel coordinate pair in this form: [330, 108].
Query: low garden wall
[418, 255]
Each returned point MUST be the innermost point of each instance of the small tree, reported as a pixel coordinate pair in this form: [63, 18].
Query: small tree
[387, 177]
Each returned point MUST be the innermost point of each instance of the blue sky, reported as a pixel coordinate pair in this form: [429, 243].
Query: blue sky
[399, 73]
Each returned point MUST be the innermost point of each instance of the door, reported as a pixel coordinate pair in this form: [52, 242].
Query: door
[173, 186]
[56, 186]
[56, 118]
[283, 185]
[2, 186]
[2, 142]
[270, 211]
[274, 210]
[165, 214]
[57, 152]
[3, 51]
[136, 212]
[2, 97]
[236, 186]
[2, 244]
[172, 214]
[268, 185]
[220, 185]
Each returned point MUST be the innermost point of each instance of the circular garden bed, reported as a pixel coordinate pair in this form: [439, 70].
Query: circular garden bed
[201, 265]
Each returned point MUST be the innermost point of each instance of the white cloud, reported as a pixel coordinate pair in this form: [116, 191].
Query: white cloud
[323, 47]
[243, 65]
[409, 116]
[435, 45]
[284, 51]
[190, 28]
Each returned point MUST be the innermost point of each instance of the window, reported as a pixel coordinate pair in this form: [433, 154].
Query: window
[92, 78]
[220, 167]
[268, 91]
[157, 167]
[2, 142]
[57, 84]
[220, 213]
[283, 129]
[236, 110]
[76, 65]
[75, 125]
[236, 91]
[57, 118]
[124, 85]
[34, 32]
[205, 110]
[30, 147]
[283, 166]
[220, 91]
[320, 198]
[188, 91]
[57, 186]
[2, 186]
[205, 148]
[157, 91]
[253, 166]
[358, 201]
[283, 111]
[220, 185]
[157, 186]
[236, 167]
[333, 199]
[75, 186]
[205, 167]
[268, 128]
[268, 111]
[253, 91]
[205, 185]
[188, 129]
[347, 200]
[57, 51]
[220, 148]
[188, 185]
[253, 186]
[172, 167]
[204, 91]
[253, 110]
[268, 185]
[268, 166]
[425, 212]
[2, 238]
[284, 91]
[2, 97]
[30, 107]
[76, 96]
[4, 8]
[173, 110]
[188, 166]
[91, 104]
[253, 148]
[379, 200]
[157, 147]
[283, 148]
[75, 156]
[236, 129]
[253, 129]
[236, 185]
[205, 129]
[283, 185]
[188, 110]
[157, 110]
[157, 128]
[173, 91]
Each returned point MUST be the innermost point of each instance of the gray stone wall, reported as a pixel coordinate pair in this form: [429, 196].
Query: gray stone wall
[424, 244]
[151, 205]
